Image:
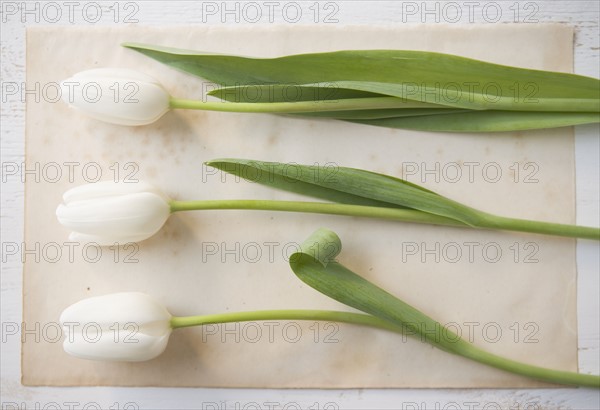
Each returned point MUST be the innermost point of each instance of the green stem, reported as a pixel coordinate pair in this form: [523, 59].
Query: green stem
[262, 315]
[376, 103]
[301, 106]
[546, 228]
[407, 215]
[462, 348]
[534, 372]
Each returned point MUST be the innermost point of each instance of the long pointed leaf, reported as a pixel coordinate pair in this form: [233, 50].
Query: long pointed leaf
[315, 265]
[482, 121]
[462, 120]
[347, 185]
[360, 187]
[328, 95]
[261, 93]
[378, 114]
[414, 75]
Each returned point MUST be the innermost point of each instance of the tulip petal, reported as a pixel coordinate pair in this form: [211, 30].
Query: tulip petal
[109, 345]
[109, 188]
[104, 240]
[107, 72]
[121, 308]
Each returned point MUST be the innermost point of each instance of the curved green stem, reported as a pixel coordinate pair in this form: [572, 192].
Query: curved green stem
[462, 348]
[301, 106]
[546, 228]
[534, 372]
[262, 315]
[406, 215]
[487, 221]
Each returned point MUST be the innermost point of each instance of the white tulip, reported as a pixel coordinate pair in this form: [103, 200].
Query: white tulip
[107, 213]
[118, 96]
[130, 327]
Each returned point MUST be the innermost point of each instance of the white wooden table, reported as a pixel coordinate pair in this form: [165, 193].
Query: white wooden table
[16, 15]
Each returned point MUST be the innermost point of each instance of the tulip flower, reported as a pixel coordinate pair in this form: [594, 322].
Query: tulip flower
[386, 88]
[117, 96]
[107, 213]
[127, 97]
[129, 327]
[134, 327]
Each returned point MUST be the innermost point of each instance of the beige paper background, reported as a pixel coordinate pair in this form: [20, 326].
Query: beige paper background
[177, 265]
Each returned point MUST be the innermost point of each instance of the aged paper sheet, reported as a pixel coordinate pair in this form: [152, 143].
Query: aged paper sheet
[513, 294]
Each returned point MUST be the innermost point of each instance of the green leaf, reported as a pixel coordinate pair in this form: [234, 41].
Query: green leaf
[261, 93]
[377, 191]
[329, 95]
[347, 185]
[315, 265]
[461, 120]
[363, 116]
[412, 75]
[282, 177]
[480, 121]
